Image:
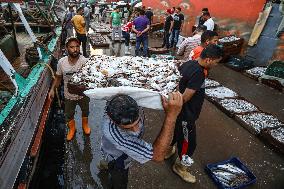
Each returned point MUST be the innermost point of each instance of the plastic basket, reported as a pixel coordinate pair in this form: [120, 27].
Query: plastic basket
[239, 164]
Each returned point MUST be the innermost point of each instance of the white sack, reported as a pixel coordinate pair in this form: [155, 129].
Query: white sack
[144, 97]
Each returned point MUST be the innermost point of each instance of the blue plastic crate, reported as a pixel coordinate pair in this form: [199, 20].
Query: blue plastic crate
[239, 164]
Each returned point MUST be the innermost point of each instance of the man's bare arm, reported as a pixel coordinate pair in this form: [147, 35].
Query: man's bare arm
[55, 84]
[164, 139]
[188, 94]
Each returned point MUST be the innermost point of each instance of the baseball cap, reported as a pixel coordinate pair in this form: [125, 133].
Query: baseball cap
[170, 11]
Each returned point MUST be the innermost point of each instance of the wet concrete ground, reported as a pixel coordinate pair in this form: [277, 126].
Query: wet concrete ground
[218, 138]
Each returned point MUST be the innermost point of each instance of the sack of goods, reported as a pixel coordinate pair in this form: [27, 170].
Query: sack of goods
[156, 76]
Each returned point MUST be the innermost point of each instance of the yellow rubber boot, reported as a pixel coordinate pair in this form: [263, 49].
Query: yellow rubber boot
[86, 128]
[183, 172]
[72, 129]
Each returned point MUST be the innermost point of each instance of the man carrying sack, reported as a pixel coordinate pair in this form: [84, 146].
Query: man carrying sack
[122, 130]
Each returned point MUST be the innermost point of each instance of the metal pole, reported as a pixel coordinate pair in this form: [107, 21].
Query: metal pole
[14, 31]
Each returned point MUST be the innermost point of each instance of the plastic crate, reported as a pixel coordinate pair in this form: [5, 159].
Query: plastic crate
[239, 164]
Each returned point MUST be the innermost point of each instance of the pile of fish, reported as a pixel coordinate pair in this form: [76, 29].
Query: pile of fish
[211, 83]
[230, 175]
[256, 71]
[238, 105]
[220, 92]
[33, 15]
[101, 28]
[278, 134]
[97, 39]
[261, 120]
[149, 73]
[31, 55]
[229, 39]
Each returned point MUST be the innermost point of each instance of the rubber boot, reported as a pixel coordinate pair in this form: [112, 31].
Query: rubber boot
[170, 152]
[183, 172]
[72, 129]
[86, 128]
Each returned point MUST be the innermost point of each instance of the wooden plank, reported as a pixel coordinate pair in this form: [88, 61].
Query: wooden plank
[38, 138]
[260, 23]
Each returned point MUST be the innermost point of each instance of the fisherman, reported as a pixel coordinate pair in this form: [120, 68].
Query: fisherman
[141, 26]
[79, 26]
[122, 130]
[209, 23]
[207, 38]
[190, 43]
[65, 68]
[168, 25]
[178, 19]
[87, 16]
[192, 87]
[126, 29]
[115, 23]
[97, 13]
[149, 14]
[200, 20]
[68, 23]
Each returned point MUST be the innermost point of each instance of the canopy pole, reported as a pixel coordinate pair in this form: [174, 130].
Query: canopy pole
[14, 30]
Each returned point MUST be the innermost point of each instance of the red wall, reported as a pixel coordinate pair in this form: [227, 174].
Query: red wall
[242, 13]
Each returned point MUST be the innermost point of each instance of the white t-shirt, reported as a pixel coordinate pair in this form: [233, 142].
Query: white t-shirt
[67, 70]
[209, 24]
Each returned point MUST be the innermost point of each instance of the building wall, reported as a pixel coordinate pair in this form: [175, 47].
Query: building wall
[232, 16]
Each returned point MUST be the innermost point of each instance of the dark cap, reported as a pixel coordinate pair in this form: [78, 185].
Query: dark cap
[68, 40]
[123, 110]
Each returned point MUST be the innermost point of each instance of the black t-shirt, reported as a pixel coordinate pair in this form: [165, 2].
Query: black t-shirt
[201, 21]
[168, 21]
[178, 19]
[192, 78]
[149, 15]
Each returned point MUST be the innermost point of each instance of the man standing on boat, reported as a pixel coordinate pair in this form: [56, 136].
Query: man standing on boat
[79, 24]
[65, 68]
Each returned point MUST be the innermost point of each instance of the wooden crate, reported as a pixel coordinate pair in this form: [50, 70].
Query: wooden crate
[232, 48]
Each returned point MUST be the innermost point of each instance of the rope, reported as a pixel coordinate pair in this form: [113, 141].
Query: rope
[53, 77]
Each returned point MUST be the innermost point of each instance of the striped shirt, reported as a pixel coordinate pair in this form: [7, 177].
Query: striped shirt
[188, 45]
[116, 141]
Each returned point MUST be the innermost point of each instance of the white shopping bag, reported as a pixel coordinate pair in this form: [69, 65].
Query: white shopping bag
[144, 97]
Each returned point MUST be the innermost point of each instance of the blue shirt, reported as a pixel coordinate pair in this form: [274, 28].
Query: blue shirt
[69, 16]
[117, 141]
